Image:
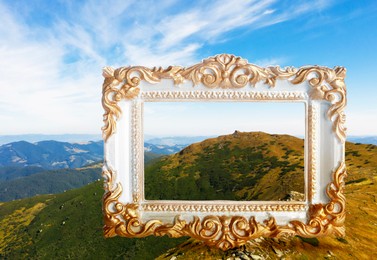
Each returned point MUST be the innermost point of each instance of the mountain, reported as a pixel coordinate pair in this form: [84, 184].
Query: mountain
[32, 138]
[239, 166]
[18, 183]
[149, 156]
[69, 225]
[162, 149]
[175, 140]
[59, 155]
[50, 154]
[361, 224]
[14, 172]
[48, 182]
[363, 139]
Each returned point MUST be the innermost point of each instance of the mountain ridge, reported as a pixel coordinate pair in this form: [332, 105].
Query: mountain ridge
[239, 166]
[32, 138]
[50, 154]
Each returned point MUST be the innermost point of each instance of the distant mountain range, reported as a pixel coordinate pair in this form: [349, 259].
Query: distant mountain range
[50, 154]
[28, 169]
[363, 139]
[176, 140]
[163, 149]
[33, 138]
[82, 138]
[60, 155]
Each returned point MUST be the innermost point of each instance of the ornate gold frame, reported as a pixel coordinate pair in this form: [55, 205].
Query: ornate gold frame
[224, 224]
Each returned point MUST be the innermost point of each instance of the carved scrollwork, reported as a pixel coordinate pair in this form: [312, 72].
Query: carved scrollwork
[122, 219]
[225, 232]
[228, 71]
[197, 207]
[328, 84]
[329, 218]
[224, 72]
[218, 74]
[123, 83]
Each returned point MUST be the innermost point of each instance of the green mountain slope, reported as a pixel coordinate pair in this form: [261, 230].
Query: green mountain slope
[361, 224]
[149, 156]
[240, 166]
[68, 225]
[48, 182]
[18, 183]
[13, 172]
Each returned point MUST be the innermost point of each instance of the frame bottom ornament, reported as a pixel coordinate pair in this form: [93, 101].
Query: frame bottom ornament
[224, 232]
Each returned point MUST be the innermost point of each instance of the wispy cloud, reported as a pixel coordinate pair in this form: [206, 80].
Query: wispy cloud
[50, 70]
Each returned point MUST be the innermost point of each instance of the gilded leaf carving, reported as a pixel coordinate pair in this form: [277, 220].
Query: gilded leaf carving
[224, 72]
[327, 84]
[225, 232]
[329, 218]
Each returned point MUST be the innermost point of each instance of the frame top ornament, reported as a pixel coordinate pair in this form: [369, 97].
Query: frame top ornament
[225, 77]
[224, 71]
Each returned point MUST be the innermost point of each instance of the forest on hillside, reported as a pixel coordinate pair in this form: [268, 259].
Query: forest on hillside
[240, 166]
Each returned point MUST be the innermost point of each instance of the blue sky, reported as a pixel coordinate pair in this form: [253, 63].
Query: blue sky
[52, 52]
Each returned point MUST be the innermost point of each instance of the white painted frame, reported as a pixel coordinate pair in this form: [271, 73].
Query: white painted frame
[217, 79]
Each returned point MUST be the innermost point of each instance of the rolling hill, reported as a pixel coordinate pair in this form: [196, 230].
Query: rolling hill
[24, 182]
[361, 224]
[68, 225]
[14, 172]
[48, 182]
[239, 166]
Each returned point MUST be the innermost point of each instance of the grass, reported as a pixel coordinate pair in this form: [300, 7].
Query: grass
[68, 225]
[242, 166]
[361, 224]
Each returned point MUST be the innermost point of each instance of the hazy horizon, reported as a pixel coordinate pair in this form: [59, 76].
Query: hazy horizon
[218, 118]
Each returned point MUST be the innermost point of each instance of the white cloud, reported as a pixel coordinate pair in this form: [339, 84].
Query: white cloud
[50, 75]
[270, 62]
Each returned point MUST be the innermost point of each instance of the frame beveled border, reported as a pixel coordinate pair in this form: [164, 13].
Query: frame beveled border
[221, 78]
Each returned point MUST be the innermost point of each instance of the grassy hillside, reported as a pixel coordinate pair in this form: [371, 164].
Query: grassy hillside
[14, 172]
[69, 225]
[18, 183]
[361, 224]
[149, 156]
[240, 166]
[48, 182]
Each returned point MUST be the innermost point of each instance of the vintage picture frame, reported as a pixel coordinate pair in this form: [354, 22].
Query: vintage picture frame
[224, 224]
